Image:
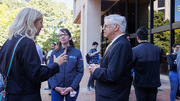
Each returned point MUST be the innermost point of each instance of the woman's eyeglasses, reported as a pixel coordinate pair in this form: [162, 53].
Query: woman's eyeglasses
[61, 35]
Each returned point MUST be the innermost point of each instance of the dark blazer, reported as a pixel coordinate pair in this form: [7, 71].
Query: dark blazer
[113, 76]
[26, 73]
[146, 63]
[171, 62]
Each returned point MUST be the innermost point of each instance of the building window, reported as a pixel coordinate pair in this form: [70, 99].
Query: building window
[162, 10]
[161, 3]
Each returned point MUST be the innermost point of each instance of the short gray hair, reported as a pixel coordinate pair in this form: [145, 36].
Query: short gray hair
[23, 24]
[117, 19]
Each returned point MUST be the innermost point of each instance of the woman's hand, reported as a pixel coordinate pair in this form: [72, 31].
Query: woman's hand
[60, 59]
[67, 91]
[59, 89]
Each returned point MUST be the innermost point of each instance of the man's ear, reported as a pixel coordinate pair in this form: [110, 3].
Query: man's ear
[137, 38]
[116, 27]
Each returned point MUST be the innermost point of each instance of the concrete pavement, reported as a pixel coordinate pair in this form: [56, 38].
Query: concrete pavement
[84, 95]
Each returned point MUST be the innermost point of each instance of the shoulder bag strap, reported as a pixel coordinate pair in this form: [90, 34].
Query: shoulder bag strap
[13, 52]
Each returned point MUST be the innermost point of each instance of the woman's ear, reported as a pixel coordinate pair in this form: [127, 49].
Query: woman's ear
[70, 38]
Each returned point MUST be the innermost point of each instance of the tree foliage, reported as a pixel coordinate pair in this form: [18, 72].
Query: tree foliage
[6, 17]
[161, 39]
[55, 16]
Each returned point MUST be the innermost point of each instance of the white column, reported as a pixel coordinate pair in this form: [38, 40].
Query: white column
[93, 22]
[90, 25]
[82, 30]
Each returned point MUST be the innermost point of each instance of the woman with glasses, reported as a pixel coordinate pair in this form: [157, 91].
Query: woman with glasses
[173, 76]
[65, 84]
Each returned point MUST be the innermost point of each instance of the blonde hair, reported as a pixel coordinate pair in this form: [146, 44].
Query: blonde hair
[23, 24]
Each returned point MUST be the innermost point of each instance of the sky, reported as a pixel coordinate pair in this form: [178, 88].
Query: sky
[69, 3]
[177, 10]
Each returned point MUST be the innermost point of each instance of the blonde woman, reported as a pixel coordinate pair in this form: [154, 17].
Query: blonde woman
[26, 73]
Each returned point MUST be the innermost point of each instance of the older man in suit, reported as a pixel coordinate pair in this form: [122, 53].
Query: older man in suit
[113, 74]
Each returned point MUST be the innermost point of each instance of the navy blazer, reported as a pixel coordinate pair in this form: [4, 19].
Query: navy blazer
[146, 63]
[70, 73]
[26, 72]
[113, 76]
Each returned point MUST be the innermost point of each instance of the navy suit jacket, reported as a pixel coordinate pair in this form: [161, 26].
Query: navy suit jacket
[146, 63]
[113, 76]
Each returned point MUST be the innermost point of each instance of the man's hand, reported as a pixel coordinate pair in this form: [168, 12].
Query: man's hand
[92, 68]
[97, 52]
[67, 91]
[60, 59]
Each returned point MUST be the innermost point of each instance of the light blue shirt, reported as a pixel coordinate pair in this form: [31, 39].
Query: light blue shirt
[40, 52]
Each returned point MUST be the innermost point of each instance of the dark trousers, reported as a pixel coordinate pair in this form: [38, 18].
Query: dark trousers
[145, 94]
[177, 94]
[130, 84]
[91, 81]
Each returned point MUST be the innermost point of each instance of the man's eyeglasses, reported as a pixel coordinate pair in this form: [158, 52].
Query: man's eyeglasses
[61, 35]
[105, 25]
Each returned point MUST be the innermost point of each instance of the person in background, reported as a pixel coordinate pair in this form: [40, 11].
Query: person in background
[47, 58]
[40, 52]
[146, 63]
[132, 70]
[94, 54]
[128, 36]
[65, 84]
[173, 76]
[26, 73]
[44, 57]
[56, 46]
[49, 53]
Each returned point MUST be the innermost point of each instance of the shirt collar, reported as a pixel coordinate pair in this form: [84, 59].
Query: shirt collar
[144, 42]
[68, 48]
[116, 38]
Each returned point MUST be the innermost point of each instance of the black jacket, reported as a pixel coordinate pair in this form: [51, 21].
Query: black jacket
[26, 72]
[146, 63]
[171, 62]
